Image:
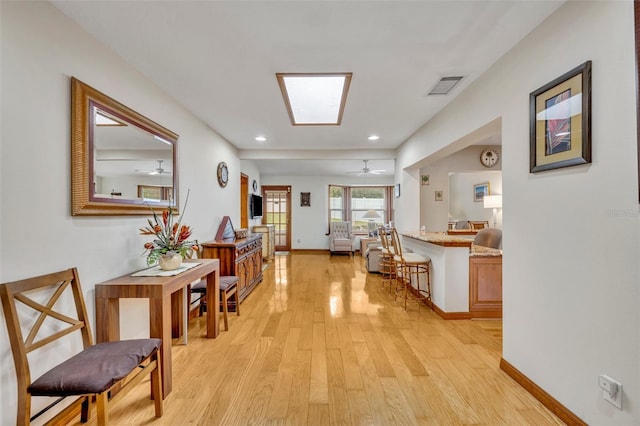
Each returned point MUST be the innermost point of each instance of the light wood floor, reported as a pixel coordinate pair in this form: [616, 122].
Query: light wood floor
[320, 343]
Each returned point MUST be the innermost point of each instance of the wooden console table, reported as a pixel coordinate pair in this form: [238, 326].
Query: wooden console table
[158, 290]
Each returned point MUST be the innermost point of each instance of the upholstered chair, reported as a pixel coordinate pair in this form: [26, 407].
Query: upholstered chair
[489, 237]
[341, 238]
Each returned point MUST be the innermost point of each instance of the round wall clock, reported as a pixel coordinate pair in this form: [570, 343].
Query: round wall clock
[489, 157]
[223, 174]
[254, 185]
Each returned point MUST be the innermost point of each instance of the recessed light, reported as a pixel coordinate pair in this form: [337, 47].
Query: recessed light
[373, 137]
[261, 138]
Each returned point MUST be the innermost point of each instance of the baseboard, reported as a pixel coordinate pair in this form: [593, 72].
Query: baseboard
[310, 251]
[451, 315]
[541, 395]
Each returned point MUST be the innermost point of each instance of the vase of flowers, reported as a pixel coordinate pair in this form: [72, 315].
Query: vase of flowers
[171, 243]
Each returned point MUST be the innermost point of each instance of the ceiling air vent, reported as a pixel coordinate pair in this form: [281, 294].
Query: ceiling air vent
[444, 86]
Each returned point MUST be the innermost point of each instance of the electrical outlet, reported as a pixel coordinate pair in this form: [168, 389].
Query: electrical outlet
[612, 390]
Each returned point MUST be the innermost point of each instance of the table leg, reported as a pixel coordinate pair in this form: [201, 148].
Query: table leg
[213, 304]
[160, 327]
[185, 315]
[107, 319]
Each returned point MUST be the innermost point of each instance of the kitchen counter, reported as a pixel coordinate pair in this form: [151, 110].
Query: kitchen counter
[439, 238]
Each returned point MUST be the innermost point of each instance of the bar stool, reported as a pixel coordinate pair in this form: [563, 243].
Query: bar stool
[408, 266]
[387, 265]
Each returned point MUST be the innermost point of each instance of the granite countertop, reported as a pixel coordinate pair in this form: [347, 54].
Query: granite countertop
[439, 238]
[484, 251]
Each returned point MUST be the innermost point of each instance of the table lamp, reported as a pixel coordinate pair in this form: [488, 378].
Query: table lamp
[493, 202]
[371, 215]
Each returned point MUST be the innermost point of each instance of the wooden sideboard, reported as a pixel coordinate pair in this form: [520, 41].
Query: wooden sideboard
[485, 286]
[242, 258]
[268, 240]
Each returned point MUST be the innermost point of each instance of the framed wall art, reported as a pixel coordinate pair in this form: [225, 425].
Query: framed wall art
[305, 199]
[479, 191]
[560, 121]
[396, 190]
[439, 196]
[425, 179]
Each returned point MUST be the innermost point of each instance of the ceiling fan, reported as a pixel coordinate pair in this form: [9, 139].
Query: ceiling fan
[158, 171]
[366, 170]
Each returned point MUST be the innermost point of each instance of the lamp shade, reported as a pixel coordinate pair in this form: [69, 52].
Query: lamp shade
[492, 201]
[371, 214]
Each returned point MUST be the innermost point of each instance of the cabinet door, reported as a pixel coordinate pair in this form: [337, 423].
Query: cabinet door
[242, 273]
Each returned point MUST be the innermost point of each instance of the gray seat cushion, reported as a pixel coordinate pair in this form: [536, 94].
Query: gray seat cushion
[226, 282]
[95, 369]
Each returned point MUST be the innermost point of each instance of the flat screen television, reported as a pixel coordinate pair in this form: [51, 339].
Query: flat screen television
[255, 206]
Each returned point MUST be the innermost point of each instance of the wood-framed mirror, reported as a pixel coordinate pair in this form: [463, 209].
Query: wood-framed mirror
[122, 163]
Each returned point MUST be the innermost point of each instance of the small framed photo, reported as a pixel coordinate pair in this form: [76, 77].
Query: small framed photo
[479, 191]
[560, 121]
[439, 196]
[425, 179]
[305, 199]
[396, 190]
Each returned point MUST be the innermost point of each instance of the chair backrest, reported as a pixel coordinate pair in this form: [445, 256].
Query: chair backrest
[397, 246]
[479, 224]
[383, 237]
[37, 335]
[340, 230]
[462, 224]
[489, 237]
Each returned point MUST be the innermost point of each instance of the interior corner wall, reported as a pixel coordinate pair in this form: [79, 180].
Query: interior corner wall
[249, 168]
[571, 236]
[40, 50]
[464, 169]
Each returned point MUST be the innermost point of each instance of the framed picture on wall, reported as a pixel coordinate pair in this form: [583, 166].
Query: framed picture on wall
[479, 191]
[396, 190]
[305, 199]
[560, 121]
[439, 196]
[425, 179]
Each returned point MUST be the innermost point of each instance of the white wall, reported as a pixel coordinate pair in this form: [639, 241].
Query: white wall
[41, 49]
[462, 205]
[571, 236]
[309, 225]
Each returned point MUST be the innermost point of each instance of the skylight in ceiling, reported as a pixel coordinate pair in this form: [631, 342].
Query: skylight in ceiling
[314, 99]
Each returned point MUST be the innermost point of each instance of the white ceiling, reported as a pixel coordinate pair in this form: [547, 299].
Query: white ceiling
[219, 60]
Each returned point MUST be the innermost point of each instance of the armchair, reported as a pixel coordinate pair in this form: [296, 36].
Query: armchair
[340, 238]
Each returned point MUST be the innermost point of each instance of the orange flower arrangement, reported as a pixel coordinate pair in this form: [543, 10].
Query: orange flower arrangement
[170, 237]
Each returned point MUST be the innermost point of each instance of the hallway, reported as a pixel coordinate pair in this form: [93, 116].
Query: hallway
[319, 342]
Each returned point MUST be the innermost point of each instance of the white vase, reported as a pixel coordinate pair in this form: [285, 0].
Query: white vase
[170, 261]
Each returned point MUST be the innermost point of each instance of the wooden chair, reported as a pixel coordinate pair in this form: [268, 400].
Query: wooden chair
[478, 224]
[410, 267]
[228, 288]
[387, 265]
[88, 376]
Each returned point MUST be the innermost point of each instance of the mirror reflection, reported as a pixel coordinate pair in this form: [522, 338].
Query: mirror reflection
[130, 163]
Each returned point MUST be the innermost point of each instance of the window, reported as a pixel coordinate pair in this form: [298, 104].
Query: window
[367, 207]
[155, 192]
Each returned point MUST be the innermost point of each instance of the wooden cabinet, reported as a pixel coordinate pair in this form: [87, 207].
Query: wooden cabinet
[485, 286]
[242, 258]
[268, 240]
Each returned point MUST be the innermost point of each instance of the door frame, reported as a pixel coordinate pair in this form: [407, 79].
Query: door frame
[279, 188]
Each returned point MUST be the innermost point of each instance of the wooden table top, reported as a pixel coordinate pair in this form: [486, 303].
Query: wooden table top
[129, 286]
